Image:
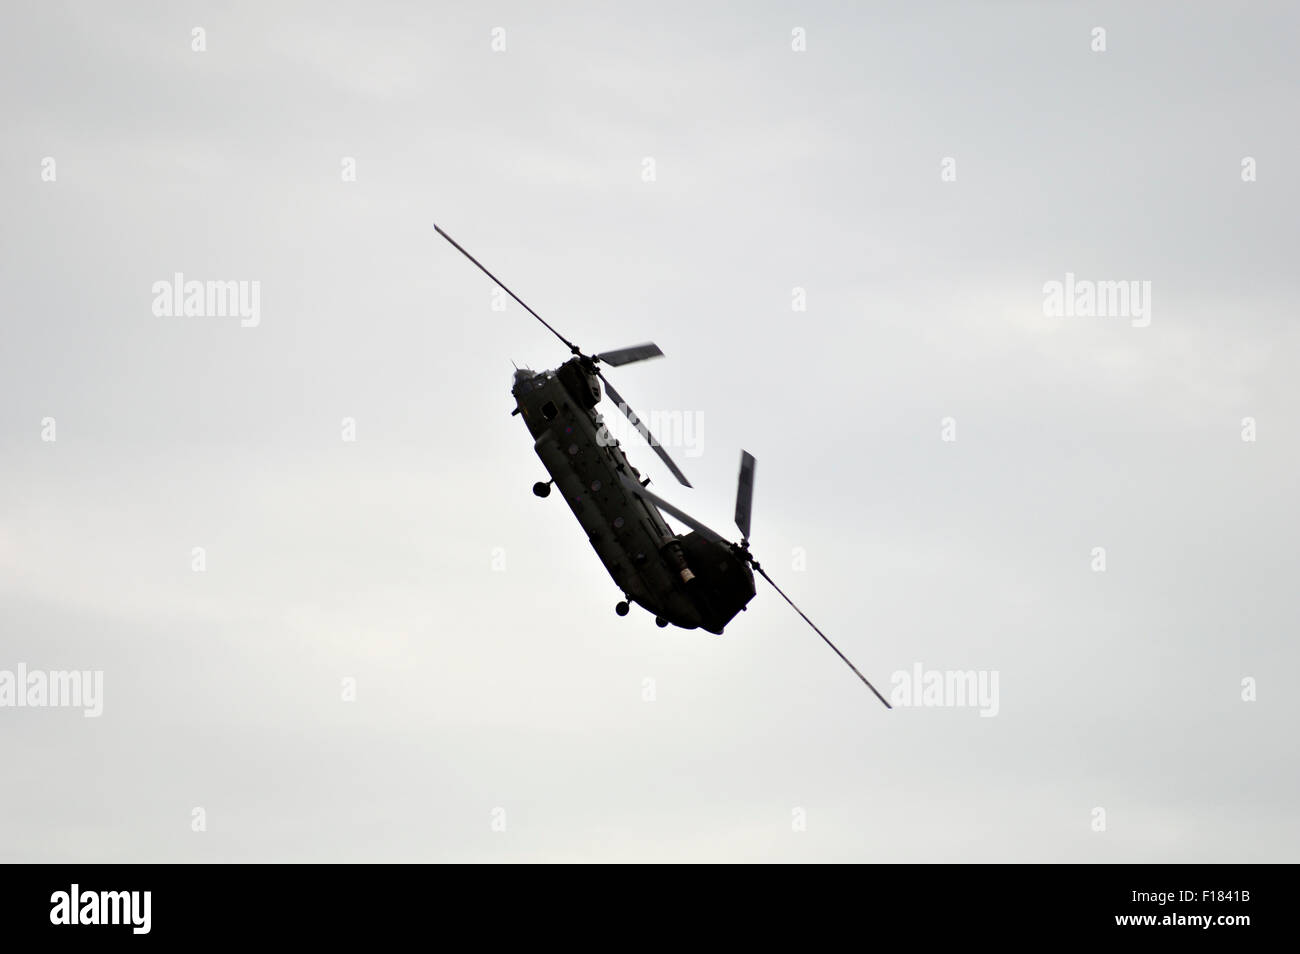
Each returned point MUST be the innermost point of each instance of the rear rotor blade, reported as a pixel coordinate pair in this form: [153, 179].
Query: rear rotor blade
[572, 346]
[745, 494]
[665, 506]
[761, 571]
[645, 431]
[623, 356]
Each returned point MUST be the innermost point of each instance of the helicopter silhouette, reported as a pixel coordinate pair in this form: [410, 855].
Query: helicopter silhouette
[696, 581]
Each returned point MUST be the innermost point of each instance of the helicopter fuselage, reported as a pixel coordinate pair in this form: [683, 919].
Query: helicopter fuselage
[689, 581]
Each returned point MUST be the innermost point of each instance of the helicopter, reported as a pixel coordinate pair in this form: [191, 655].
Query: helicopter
[699, 580]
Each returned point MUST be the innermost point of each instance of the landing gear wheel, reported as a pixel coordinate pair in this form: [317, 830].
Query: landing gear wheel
[622, 608]
[542, 489]
[660, 622]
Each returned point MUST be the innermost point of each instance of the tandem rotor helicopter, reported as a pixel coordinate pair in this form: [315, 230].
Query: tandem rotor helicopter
[700, 580]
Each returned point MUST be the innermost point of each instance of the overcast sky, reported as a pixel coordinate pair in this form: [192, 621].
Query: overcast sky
[493, 681]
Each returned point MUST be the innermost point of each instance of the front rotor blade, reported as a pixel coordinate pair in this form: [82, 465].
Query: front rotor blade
[761, 571]
[624, 356]
[645, 431]
[572, 346]
[745, 493]
[665, 506]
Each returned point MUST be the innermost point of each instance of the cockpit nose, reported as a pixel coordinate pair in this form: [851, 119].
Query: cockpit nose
[523, 374]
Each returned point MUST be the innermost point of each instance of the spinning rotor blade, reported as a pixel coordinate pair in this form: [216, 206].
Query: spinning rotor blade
[572, 347]
[745, 494]
[623, 356]
[645, 431]
[664, 505]
[760, 570]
